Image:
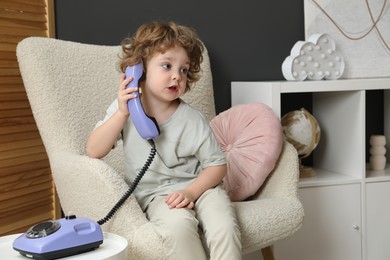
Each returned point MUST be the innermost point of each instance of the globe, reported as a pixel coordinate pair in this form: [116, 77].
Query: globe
[302, 130]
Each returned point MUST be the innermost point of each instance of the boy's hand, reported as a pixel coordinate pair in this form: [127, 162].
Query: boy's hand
[180, 199]
[125, 94]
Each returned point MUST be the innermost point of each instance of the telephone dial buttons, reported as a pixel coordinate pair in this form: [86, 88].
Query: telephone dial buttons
[43, 229]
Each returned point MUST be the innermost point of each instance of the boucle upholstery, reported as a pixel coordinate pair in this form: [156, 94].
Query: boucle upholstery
[69, 86]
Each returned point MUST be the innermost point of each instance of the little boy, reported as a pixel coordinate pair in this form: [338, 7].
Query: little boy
[180, 192]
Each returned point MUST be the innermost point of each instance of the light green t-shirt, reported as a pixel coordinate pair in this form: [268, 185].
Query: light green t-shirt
[185, 146]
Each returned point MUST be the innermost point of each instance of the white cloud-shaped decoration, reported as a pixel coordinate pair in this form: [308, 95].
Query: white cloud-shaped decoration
[314, 59]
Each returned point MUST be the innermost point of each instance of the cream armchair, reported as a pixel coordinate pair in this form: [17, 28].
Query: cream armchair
[69, 86]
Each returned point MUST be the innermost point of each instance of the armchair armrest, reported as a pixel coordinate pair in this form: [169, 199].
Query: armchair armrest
[283, 180]
[275, 212]
[100, 185]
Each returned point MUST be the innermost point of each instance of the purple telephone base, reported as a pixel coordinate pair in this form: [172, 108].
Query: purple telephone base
[146, 126]
[59, 238]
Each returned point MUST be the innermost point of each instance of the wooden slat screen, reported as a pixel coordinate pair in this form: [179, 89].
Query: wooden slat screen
[27, 194]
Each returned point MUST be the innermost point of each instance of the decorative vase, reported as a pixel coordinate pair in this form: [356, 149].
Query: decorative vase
[377, 152]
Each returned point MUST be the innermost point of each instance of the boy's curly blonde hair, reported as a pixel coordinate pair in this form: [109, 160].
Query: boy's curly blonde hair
[157, 37]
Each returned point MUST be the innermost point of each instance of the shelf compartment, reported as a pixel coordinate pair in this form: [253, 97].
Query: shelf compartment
[377, 176]
[341, 118]
[324, 178]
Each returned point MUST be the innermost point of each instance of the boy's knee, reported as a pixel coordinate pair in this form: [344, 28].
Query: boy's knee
[227, 228]
[182, 223]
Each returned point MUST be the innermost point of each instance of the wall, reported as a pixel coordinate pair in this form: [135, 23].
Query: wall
[247, 40]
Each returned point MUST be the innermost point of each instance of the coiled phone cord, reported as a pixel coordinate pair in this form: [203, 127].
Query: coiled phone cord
[133, 185]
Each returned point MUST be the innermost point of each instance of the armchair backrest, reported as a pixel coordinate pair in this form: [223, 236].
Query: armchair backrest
[70, 85]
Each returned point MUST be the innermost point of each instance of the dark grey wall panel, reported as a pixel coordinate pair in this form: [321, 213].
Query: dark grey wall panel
[247, 40]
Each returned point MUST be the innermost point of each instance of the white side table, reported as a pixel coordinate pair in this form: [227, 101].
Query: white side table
[114, 247]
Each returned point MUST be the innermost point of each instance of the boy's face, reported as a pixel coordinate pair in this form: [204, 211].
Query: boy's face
[166, 76]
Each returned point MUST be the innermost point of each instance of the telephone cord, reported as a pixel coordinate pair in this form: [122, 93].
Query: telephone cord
[133, 185]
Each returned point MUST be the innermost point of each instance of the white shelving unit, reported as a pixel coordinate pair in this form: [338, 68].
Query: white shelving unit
[343, 201]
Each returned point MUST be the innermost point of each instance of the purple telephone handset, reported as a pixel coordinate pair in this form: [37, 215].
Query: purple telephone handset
[146, 126]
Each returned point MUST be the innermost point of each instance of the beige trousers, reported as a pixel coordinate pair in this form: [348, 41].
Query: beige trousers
[181, 229]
